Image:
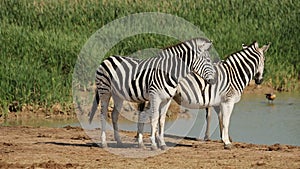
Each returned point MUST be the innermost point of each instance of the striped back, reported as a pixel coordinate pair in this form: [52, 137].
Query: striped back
[133, 79]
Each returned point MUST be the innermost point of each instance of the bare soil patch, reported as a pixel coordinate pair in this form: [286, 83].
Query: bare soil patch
[70, 147]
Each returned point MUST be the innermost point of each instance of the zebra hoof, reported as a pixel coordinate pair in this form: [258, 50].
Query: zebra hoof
[198, 139]
[153, 147]
[104, 145]
[142, 146]
[164, 147]
[207, 139]
[227, 146]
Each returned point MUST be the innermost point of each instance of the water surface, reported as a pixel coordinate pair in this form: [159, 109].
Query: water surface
[253, 120]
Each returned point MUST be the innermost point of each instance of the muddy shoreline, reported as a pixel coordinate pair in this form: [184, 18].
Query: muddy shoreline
[70, 147]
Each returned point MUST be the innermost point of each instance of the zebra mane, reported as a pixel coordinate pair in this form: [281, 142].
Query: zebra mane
[188, 42]
[218, 62]
[245, 47]
[193, 45]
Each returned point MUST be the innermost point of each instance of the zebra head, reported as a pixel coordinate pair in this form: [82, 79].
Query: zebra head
[258, 77]
[202, 64]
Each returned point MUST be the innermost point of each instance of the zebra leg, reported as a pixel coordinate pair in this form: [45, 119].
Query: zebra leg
[103, 116]
[118, 103]
[226, 110]
[140, 125]
[162, 120]
[140, 135]
[155, 101]
[208, 119]
[220, 117]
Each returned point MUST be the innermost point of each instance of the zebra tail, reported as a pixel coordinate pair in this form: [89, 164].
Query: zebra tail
[94, 107]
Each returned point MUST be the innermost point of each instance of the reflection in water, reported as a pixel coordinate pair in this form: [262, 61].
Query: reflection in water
[253, 120]
[37, 121]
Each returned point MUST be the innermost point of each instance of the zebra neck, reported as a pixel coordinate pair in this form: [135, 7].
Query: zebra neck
[176, 63]
[242, 70]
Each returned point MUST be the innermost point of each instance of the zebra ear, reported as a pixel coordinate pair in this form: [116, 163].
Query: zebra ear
[244, 46]
[256, 45]
[265, 47]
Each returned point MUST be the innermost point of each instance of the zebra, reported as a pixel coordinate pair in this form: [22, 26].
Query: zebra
[154, 79]
[217, 109]
[232, 76]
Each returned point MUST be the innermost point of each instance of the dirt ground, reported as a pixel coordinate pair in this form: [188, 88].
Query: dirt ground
[70, 147]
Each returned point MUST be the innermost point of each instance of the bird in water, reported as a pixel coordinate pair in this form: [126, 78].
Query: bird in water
[270, 97]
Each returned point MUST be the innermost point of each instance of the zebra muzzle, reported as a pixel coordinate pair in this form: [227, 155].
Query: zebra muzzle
[258, 81]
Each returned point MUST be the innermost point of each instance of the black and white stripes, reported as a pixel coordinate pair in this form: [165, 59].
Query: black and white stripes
[154, 79]
[233, 75]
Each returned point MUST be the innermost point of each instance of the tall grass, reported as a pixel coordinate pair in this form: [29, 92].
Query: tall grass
[40, 40]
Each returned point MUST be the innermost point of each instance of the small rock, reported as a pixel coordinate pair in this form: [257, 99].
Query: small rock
[260, 163]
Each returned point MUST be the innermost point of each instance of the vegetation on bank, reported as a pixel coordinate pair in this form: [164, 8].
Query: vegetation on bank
[40, 40]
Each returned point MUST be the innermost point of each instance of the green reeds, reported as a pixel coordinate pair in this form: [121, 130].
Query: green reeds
[40, 40]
